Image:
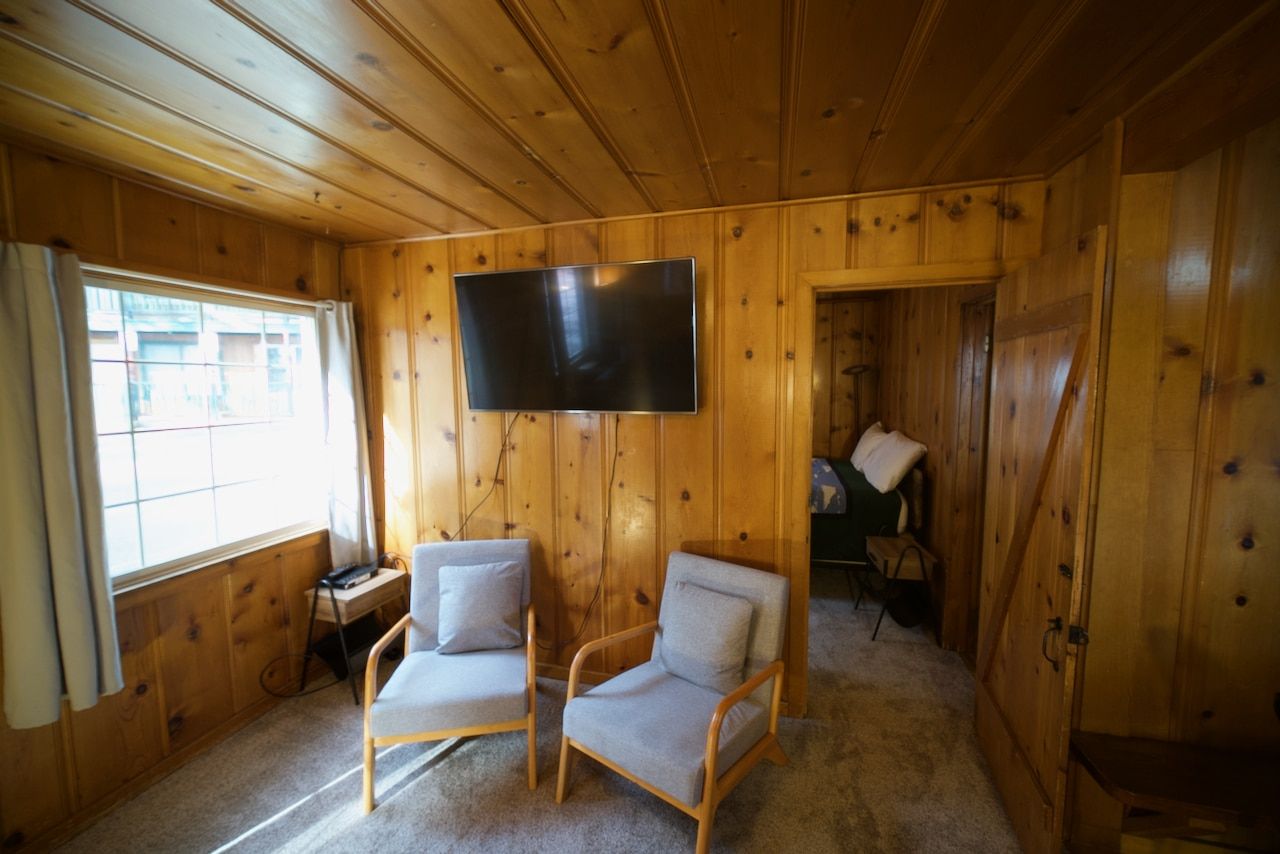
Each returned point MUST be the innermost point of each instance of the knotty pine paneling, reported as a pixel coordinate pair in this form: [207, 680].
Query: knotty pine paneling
[846, 373]
[1183, 646]
[712, 483]
[192, 647]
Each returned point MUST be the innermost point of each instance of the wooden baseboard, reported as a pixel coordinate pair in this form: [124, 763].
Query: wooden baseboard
[85, 816]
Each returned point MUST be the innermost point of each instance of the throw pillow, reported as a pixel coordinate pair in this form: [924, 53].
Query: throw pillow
[891, 460]
[704, 636]
[480, 607]
[871, 439]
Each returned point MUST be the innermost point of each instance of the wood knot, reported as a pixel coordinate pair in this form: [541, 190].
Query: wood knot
[1231, 467]
[1082, 244]
[743, 536]
[427, 317]
[750, 354]
[791, 356]
[1242, 600]
[175, 724]
[744, 301]
[641, 598]
[60, 243]
[379, 124]
[141, 689]
[877, 221]
[1246, 542]
[805, 173]
[1258, 378]
[450, 436]
[430, 268]
[1181, 351]
[736, 232]
[300, 283]
[222, 250]
[1066, 515]
[1008, 211]
[509, 526]
[914, 216]
[193, 633]
[853, 226]
[828, 112]
[481, 259]
[684, 495]
[956, 211]
[248, 588]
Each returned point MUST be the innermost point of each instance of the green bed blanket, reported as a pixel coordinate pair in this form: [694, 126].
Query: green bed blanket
[843, 537]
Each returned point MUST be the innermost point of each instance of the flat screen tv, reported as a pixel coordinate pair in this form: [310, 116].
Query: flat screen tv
[588, 338]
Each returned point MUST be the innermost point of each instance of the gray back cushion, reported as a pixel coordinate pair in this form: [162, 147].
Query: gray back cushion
[479, 607]
[704, 636]
[424, 590]
[767, 593]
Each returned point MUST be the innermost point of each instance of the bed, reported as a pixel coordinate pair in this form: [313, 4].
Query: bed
[845, 509]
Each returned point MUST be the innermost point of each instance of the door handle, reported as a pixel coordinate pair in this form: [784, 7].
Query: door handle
[1055, 625]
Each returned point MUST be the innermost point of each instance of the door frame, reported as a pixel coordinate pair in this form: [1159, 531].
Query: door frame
[806, 288]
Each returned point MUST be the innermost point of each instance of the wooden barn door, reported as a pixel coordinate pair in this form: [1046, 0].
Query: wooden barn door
[1037, 494]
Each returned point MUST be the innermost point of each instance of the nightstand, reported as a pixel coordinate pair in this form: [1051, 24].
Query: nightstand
[898, 559]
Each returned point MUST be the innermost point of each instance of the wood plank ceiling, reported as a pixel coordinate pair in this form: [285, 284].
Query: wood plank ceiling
[374, 119]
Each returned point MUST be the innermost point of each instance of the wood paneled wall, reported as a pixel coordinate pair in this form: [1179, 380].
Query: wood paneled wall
[192, 646]
[1186, 582]
[714, 483]
[846, 373]
[923, 390]
[120, 223]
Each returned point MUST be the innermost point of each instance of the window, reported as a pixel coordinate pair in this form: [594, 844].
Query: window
[208, 424]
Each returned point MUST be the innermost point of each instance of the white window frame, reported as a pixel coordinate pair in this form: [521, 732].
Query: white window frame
[146, 283]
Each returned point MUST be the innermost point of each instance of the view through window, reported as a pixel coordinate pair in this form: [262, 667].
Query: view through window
[208, 423]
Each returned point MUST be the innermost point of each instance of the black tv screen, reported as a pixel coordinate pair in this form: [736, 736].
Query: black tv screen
[590, 338]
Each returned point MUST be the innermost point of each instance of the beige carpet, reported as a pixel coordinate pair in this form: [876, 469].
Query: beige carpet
[886, 761]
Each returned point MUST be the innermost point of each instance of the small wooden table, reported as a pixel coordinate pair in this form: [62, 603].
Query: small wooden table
[898, 559]
[342, 607]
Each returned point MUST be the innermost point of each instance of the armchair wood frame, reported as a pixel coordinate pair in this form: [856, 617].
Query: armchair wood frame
[528, 722]
[714, 789]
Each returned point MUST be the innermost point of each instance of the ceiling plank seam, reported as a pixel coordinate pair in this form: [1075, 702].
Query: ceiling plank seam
[660, 25]
[183, 116]
[792, 53]
[123, 26]
[913, 55]
[555, 65]
[372, 105]
[428, 60]
[1039, 47]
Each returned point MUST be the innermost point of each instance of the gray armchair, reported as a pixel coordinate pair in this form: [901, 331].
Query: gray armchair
[688, 724]
[468, 667]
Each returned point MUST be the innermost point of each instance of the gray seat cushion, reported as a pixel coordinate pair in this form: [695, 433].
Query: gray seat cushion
[655, 725]
[430, 692]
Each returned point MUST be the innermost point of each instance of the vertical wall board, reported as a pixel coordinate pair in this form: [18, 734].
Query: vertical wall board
[436, 389]
[157, 228]
[1233, 668]
[687, 442]
[962, 225]
[290, 262]
[257, 620]
[391, 369]
[230, 247]
[749, 387]
[531, 467]
[1021, 212]
[822, 382]
[195, 663]
[61, 204]
[481, 433]
[630, 596]
[581, 476]
[887, 230]
[120, 738]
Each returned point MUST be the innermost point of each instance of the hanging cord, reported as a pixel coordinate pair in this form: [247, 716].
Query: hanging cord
[604, 545]
[493, 483]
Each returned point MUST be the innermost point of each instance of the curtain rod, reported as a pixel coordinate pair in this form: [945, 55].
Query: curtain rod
[152, 278]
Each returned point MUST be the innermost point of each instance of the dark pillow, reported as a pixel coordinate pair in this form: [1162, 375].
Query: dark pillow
[480, 607]
[704, 636]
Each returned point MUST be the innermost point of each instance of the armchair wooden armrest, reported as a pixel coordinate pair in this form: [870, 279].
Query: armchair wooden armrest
[375, 654]
[585, 651]
[531, 647]
[774, 671]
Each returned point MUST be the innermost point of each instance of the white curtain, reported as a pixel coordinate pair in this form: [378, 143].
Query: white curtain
[346, 439]
[57, 618]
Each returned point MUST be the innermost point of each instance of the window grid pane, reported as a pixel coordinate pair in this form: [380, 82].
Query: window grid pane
[208, 418]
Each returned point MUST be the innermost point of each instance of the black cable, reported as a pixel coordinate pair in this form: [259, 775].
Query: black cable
[604, 544]
[493, 483]
[262, 677]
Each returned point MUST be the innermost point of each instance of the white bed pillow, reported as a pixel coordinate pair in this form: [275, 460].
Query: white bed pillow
[890, 461]
[871, 438]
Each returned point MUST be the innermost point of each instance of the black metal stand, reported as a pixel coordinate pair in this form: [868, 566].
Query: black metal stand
[893, 579]
[342, 639]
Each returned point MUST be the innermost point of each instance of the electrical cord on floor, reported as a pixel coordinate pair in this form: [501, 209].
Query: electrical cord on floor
[262, 678]
[493, 483]
[604, 546]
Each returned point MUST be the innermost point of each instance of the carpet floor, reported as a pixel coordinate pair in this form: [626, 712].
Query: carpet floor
[886, 760]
